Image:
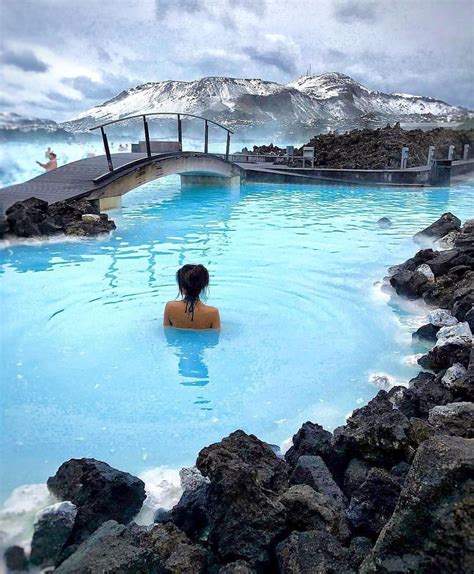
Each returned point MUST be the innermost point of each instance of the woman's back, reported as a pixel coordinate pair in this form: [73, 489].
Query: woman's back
[190, 312]
[203, 316]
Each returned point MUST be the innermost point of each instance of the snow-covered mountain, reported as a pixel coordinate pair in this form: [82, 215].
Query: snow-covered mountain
[12, 121]
[328, 99]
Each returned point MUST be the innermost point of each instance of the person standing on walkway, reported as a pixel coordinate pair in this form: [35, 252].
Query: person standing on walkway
[51, 164]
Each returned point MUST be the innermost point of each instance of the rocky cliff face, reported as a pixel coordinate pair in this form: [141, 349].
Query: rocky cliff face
[243, 104]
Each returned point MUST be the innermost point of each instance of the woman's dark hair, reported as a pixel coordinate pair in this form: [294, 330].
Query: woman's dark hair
[192, 280]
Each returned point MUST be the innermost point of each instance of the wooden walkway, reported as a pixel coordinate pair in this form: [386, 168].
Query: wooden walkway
[71, 180]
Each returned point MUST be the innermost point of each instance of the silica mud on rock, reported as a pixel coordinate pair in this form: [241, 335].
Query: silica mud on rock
[391, 490]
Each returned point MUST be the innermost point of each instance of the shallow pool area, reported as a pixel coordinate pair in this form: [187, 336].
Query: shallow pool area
[88, 369]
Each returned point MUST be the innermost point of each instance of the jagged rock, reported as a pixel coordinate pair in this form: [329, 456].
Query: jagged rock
[240, 449]
[426, 332]
[246, 481]
[432, 526]
[176, 553]
[420, 430]
[443, 262]
[90, 218]
[424, 393]
[24, 217]
[190, 514]
[4, 228]
[89, 228]
[15, 559]
[441, 227]
[307, 509]
[359, 549]
[52, 528]
[312, 439]
[445, 356]
[425, 270]
[313, 552]
[312, 471]
[454, 373]
[441, 318]
[421, 257]
[34, 217]
[448, 241]
[239, 567]
[99, 491]
[411, 284]
[455, 419]
[400, 471]
[469, 318]
[356, 473]
[377, 433]
[111, 549]
[373, 503]
[459, 333]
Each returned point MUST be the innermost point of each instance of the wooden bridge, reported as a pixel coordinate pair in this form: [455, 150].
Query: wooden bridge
[109, 176]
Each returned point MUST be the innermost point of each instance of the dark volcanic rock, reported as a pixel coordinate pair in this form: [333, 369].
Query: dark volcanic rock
[426, 332]
[238, 567]
[312, 471]
[246, 481]
[312, 439]
[25, 217]
[176, 553]
[377, 433]
[445, 356]
[34, 217]
[190, 514]
[446, 223]
[53, 526]
[432, 526]
[313, 552]
[307, 509]
[443, 262]
[99, 491]
[4, 227]
[15, 559]
[111, 549]
[411, 284]
[373, 503]
[424, 393]
[356, 473]
[240, 450]
[454, 419]
[359, 549]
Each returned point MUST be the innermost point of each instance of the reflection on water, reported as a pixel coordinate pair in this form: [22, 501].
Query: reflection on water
[190, 348]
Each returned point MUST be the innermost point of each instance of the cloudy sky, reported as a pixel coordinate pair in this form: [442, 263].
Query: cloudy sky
[60, 57]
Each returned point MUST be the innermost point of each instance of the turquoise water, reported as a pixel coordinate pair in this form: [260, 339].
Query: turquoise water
[88, 370]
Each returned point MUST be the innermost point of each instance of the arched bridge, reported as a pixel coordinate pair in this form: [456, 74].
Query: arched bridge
[107, 177]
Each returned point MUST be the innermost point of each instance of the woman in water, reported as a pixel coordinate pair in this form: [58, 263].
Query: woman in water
[190, 312]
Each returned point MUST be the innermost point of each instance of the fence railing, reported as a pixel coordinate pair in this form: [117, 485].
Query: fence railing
[179, 127]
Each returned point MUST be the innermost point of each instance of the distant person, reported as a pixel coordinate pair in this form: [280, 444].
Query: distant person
[47, 152]
[191, 312]
[51, 164]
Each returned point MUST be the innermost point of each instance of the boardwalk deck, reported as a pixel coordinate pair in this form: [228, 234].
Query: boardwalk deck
[71, 180]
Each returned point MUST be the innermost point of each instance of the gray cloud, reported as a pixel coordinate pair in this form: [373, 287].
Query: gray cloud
[108, 88]
[24, 60]
[274, 58]
[164, 8]
[58, 97]
[349, 11]
[6, 103]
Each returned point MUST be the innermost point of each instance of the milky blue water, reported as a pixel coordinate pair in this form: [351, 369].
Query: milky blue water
[88, 370]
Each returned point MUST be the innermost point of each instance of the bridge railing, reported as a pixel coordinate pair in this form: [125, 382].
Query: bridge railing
[179, 126]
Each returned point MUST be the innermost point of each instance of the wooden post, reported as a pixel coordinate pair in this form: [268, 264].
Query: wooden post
[180, 131]
[431, 155]
[450, 152]
[465, 152]
[147, 137]
[206, 136]
[227, 147]
[107, 150]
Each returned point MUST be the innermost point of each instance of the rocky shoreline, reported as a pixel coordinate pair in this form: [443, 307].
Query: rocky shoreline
[389, 491]
[34, 217]
[379, 148]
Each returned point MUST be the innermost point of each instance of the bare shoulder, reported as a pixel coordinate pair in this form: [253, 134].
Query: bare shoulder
[211, 310]
[172, 304]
